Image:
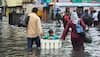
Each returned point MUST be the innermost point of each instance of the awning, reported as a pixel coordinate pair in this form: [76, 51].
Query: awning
[77, 4]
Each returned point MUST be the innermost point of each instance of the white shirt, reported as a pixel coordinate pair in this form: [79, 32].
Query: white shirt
[95, 18]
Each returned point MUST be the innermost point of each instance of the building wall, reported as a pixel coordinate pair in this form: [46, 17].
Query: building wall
[11, 3]
[0, 2]
[28, 7]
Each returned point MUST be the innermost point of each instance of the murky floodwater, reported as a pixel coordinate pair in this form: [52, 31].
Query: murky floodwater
[13, 43]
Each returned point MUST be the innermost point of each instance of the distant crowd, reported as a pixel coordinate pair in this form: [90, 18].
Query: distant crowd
[90, 16]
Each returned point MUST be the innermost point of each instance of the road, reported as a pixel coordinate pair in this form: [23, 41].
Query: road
[13, 43]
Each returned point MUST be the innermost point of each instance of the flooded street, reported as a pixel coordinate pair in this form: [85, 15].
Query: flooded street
[13, 43]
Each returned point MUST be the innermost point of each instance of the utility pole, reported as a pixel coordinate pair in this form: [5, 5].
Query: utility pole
[4, 7]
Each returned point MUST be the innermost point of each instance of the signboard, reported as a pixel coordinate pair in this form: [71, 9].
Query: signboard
[64, 0]
[45, 1]
[77, 4]
[81, 1]
[14, 2]
[76, 1]
[87, 1]
[96, 1]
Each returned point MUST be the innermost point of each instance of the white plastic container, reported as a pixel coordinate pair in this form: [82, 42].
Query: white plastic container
[50, 44]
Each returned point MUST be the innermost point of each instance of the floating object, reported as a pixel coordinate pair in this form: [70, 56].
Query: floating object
[50, 44]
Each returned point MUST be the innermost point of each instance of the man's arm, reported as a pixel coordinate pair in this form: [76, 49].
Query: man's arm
[65, 31]
[40, 31]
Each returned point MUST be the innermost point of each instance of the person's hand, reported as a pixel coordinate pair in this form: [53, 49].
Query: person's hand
[61, 39]
[42, 34]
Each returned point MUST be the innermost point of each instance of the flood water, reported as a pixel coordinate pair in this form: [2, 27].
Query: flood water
[13, 43]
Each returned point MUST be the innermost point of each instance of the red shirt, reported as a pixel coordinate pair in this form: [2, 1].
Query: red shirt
[66, 18]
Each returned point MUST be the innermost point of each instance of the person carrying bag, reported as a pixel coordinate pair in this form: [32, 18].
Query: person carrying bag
[76, 39]
[83, 33]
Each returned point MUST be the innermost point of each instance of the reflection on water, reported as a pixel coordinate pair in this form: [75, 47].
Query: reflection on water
[13, 43]
[35, 53]
[80, 53]
[77, 54]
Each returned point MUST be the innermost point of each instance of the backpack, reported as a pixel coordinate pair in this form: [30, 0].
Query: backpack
[79, 29]
[83, 33]
[23, 21]
[87, 19]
